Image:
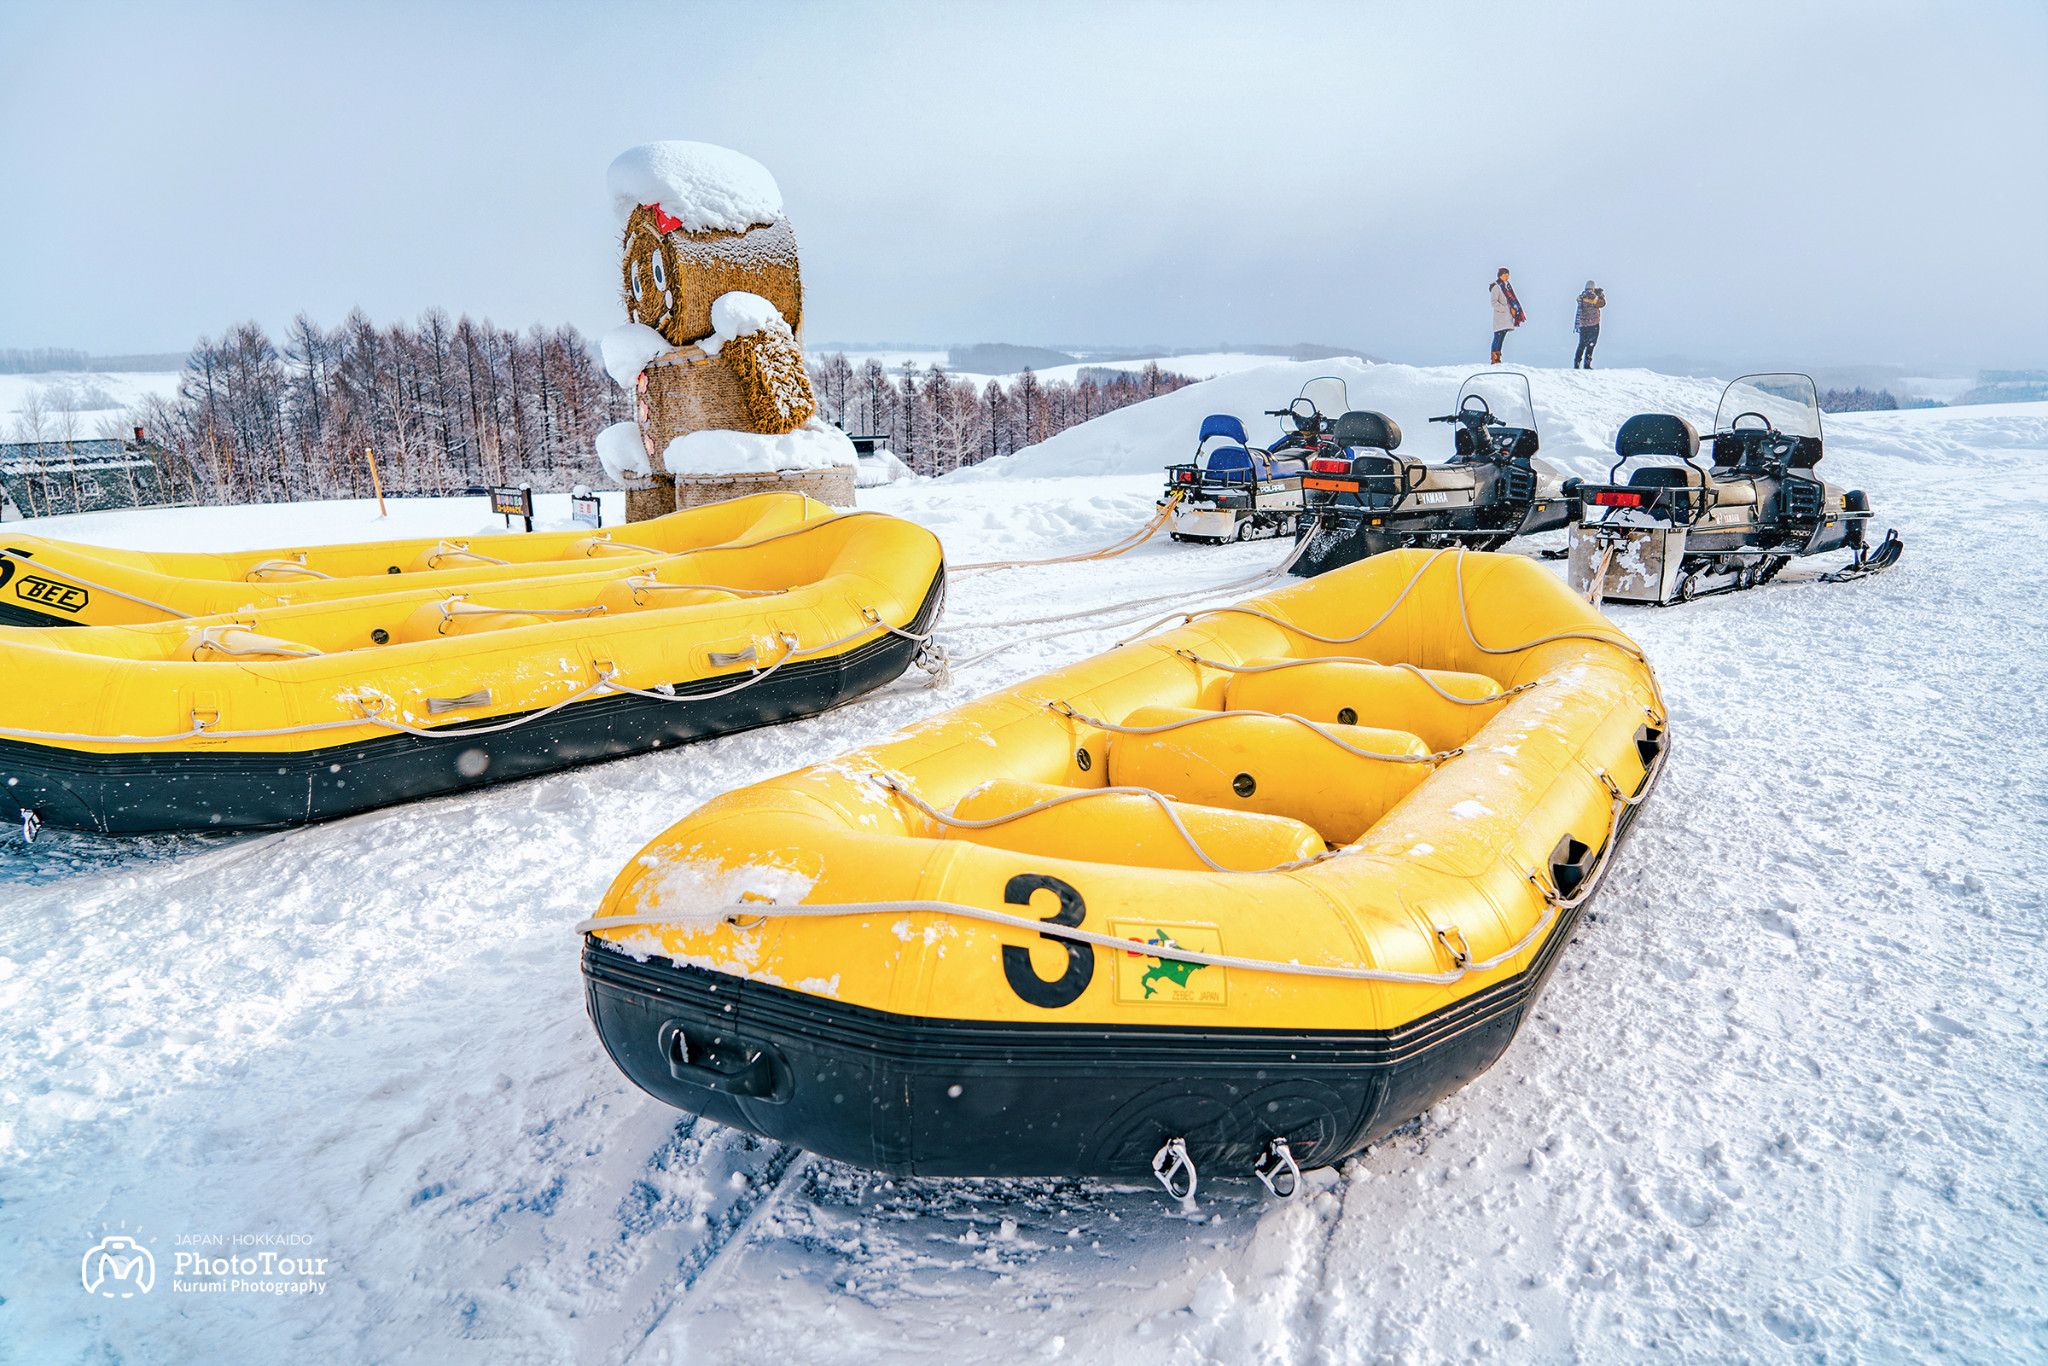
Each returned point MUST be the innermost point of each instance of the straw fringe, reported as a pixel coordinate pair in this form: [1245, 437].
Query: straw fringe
[770, 369]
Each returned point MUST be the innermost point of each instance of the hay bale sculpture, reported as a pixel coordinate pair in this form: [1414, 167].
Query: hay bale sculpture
[713, 353]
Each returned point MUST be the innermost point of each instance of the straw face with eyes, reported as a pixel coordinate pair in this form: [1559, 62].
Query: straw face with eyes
[670, 279]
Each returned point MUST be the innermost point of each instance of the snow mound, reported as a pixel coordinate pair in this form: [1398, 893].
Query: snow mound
[627, 348]
[813, 446]
[1577, 414]
[739, 314]
[701, 185]
[621, 451]
[883, 467]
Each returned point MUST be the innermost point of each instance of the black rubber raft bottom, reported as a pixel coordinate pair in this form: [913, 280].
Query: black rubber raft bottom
[218, 790]
[912, 1096]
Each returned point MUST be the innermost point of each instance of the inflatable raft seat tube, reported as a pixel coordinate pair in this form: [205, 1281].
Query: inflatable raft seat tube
[1129, 827]
[1357, 693]
[1271, 765]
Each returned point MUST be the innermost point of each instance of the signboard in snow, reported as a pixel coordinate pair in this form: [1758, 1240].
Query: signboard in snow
[514, 502]
[584, 509]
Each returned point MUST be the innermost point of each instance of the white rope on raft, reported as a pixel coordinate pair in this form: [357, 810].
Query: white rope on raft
[1440, 756]
[450, 549]
[606, 682]
[1618, 641]
[1429, 682]
[285, 567]
[34, 563]
[1554, 905]
[889, 784]
[445, 547]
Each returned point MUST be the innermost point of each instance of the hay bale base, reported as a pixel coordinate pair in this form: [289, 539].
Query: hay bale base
[684, 391]
[833, 486]
[655, 498]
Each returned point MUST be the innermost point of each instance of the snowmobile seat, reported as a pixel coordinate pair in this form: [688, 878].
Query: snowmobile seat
[1233, 465]
[1668, 476]
[1223, 424]
[1231, 461]
[1374, 431]
[1657, 434]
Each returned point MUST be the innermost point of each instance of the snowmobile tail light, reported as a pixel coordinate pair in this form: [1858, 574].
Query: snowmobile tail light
[1614, 498]
[1330, 466]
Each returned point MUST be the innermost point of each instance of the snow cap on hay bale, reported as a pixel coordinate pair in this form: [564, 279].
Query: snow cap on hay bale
[700, 222]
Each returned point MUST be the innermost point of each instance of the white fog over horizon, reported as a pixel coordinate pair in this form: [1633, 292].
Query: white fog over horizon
[1825, 185]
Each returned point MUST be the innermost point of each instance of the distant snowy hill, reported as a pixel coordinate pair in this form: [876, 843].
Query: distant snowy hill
[98, 394]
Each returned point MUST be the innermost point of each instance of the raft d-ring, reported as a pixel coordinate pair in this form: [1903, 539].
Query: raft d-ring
[1062, 707]
[1461, 952]
[1168, 1164]
[1277, 1165]
[30, 824]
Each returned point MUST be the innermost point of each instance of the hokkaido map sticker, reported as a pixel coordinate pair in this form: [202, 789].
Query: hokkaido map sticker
[1142, 979]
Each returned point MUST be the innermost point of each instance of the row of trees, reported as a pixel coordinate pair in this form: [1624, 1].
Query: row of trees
[939, 423]
[1857, 400]
[452, 405]
[443, 405]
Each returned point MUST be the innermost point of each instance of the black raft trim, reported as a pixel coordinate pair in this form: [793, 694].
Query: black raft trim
[1037, 1097]
[214, 789]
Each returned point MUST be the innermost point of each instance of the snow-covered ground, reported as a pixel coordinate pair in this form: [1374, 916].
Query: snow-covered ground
[1784, 1099]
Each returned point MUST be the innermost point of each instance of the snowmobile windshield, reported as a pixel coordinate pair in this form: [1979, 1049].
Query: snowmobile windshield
[1789, 403]
[1328, 394]
[1505, 394]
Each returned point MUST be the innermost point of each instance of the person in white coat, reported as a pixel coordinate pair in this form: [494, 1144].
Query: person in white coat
[1507, 311]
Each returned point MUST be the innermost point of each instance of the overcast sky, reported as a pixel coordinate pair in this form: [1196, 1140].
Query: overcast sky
[1779, 183]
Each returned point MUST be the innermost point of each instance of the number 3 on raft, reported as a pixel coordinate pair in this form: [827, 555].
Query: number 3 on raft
[1024, 980]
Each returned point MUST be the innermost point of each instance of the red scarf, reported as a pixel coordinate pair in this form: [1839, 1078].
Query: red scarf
[1514, 304]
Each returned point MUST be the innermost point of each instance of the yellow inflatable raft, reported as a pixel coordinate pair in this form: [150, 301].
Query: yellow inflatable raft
[293, 714]
[59, 583]
[1241, 896]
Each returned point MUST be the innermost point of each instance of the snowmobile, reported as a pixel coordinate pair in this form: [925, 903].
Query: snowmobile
[1232, 492]
[1683, 530]
[1362, 499]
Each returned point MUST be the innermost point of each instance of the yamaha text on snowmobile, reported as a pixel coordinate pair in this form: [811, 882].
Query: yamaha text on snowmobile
[1682, 530]
[1362, 499]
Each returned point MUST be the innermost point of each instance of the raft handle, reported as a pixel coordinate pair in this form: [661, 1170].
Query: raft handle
[1169, 1163]
[1461, 952]
[1275, 1165]
[724, 1064]
[1569, 863]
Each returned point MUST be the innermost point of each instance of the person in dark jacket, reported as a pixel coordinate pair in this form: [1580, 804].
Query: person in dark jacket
[1591, 300]
[1507, 311]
